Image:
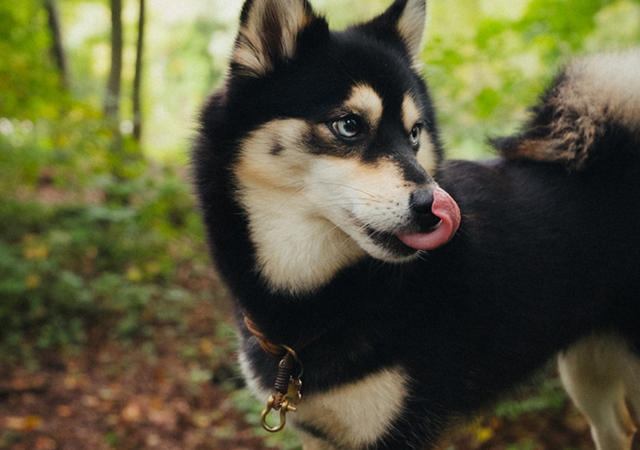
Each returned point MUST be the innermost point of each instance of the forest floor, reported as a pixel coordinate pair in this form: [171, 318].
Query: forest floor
[115, 396]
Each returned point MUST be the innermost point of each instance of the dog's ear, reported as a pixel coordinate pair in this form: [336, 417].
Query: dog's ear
[406, 19]
[268, 34]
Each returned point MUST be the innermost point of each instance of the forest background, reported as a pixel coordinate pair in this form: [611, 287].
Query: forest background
[116, 331]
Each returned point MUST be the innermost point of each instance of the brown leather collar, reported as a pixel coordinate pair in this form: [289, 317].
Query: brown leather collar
[280, 350]
[268, 346]
[287, 386]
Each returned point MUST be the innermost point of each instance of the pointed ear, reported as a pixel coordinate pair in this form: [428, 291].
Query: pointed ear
[407, 18]
[411, 25]
[268, 34]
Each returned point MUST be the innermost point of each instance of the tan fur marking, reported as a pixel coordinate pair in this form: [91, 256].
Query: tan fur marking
[295, 22]
[334, 200]
[250, 58]
[410, 113]
[256, 156]
[351, 413]
[411, 28]
[312, 443]
[599, 373]
[374, 195]
[545, 150]
[251, 52]
[606, 86]
[410, 116]
[426, 154]
[366, 102]
[357, 414]
[276, 188]
[596, 92]
[600, 89]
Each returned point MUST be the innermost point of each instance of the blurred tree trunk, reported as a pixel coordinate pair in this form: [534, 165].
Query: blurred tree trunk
[57, 49]
[112, 99]
[137, 80]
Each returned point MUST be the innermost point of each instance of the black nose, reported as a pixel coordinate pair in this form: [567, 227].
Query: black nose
[421, 201]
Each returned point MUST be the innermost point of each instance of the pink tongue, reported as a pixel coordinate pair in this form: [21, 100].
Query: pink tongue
[447, 210]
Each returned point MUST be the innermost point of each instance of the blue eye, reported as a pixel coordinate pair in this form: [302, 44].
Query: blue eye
[414, 136]
[348, 127]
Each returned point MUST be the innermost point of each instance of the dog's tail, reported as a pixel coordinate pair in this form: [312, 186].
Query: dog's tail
[590, 115]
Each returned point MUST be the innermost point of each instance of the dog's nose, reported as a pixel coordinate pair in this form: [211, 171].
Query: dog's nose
[421, 201]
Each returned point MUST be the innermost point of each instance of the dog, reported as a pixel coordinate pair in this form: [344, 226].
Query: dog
[407, 291]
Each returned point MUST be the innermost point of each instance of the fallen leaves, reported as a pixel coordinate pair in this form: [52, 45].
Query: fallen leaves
[163, 403]
[64, 411]
[45, 443]
[26, 424]
[131, 413]
[23, 382]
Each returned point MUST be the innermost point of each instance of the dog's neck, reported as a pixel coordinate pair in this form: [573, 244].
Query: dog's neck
[296, 250]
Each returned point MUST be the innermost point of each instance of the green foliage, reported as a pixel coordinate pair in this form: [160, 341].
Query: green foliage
[548, 395]
[486, 61]
[28, 80]
[100, 254]
[67, 152]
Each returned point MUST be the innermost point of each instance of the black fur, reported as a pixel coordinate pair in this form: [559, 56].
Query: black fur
[542, 258]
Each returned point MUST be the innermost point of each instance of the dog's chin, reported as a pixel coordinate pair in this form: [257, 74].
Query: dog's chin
[388, 247]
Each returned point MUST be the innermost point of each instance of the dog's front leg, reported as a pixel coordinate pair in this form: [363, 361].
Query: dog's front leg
[600, 373]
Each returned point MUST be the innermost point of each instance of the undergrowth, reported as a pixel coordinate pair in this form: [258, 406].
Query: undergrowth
[87, 242]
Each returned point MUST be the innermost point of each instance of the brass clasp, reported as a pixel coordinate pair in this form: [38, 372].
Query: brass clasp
[288, 392]
[285, 407]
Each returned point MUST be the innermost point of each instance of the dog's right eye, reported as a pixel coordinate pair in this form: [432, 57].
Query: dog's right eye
[347, 127]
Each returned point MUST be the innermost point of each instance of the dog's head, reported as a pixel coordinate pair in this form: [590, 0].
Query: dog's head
[334, 140]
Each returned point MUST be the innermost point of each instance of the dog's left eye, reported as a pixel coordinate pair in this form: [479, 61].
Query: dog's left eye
[348, 127]
[414, 136]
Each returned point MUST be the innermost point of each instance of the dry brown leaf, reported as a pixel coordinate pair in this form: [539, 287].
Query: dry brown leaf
[131, 412]
[64, 410]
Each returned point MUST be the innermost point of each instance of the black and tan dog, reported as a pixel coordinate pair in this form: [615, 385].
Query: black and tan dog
[414, 290]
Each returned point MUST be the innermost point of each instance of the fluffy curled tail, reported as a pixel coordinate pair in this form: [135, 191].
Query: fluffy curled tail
[589, 116]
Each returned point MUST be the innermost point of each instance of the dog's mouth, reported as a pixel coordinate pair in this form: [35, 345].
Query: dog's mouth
[423, 235]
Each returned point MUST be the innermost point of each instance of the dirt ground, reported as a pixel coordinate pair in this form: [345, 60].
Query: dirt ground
[78, 405]
[119, 397]
[114, 396]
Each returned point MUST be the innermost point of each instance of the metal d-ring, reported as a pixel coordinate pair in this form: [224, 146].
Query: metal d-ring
[284, 408]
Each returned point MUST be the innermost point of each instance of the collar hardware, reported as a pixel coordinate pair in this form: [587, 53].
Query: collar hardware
[288, 388]
[288, 391]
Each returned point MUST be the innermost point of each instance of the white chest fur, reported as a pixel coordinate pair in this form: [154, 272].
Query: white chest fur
[353, 415]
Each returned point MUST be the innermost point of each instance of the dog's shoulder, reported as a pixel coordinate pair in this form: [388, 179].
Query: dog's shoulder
[589, 116]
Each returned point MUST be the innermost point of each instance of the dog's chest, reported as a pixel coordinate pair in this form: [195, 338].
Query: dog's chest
[352, 415]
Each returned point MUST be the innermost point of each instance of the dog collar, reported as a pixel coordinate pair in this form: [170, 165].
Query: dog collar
[288, 387]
